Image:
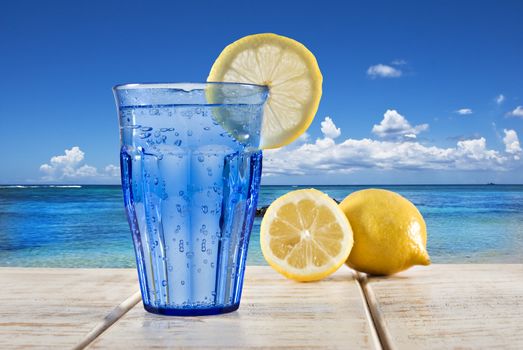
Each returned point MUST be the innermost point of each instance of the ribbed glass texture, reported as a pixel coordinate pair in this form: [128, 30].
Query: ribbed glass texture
[191, 171]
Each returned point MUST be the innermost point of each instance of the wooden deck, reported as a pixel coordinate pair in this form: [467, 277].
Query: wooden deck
[436, 307]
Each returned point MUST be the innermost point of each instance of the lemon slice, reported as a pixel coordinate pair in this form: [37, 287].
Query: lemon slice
[290, 71]
[305, 236]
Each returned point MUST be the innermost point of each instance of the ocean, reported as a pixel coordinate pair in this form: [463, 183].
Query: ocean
[85, 226]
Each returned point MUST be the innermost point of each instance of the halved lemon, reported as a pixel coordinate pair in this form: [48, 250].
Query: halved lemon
[305, 236]
[290, 71]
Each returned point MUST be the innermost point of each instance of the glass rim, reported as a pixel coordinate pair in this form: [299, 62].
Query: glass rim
[185, 86]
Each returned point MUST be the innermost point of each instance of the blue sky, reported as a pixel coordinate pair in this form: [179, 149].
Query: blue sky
[421, 61]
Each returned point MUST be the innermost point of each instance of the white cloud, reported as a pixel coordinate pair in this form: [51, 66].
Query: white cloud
[395, 125]
[112, 170]
[399, 62]
[517, 112]
[511, 142]
[383, 71]
[464, 111]
[329, 129]
[499, 99]
[326, 156]
[69, 166]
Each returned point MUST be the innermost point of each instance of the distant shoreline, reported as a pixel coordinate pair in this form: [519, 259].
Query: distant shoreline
[61, 185]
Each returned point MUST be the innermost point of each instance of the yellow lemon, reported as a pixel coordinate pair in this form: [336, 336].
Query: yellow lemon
[390, 234]
[290, 71]
[305, 236]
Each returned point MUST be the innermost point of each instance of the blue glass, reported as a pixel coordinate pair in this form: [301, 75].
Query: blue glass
[191, 168]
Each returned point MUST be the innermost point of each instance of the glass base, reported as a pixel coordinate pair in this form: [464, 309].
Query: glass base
[191, 312]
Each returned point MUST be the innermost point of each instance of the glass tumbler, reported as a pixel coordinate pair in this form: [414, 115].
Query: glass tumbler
[190, 167]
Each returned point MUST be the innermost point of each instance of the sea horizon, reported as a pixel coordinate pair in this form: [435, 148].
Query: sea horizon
[281, 185]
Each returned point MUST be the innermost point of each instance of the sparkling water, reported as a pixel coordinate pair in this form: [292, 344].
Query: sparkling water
[190, 175]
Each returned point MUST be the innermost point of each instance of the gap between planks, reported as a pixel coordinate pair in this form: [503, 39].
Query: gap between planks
[376, 316]
[109, 320]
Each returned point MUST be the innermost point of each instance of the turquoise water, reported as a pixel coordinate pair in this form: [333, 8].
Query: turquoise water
[86, 226]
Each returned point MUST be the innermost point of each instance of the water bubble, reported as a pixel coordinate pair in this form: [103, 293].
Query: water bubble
[157, 133]
[164, 283]
[204, 245]
[145, 135]
[205, 209]
[204, 226]
[182, 283]
[200, 159]
[180, 246]
[156, 181]
[212, 265]
[178, 208]
[176, 133]
[189, 255]
[178, 142]
[154, 111]
[164, 129]
[198, 110]
[206, 128]
[178, 228]
[180, 193]
[209, 171]
[145, 128]
[170, 268]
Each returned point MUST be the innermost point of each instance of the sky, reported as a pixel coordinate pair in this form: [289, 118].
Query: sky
[413, 91]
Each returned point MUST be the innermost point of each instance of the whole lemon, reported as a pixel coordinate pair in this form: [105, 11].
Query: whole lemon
[390, 234]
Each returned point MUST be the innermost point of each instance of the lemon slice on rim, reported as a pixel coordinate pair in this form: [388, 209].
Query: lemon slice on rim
[290, 71]
[305, 236]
